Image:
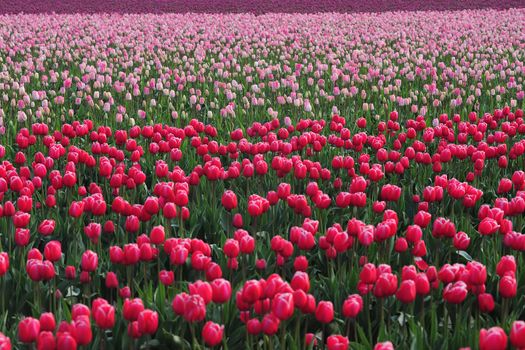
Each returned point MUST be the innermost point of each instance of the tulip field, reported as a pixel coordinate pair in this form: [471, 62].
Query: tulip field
[267, 181]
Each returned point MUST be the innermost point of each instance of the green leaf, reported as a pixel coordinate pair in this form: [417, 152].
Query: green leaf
[363, 337]
[464, 254]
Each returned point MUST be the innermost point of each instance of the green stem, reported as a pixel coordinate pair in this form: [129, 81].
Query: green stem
[445, 324]
[298, 339]
[282, 342]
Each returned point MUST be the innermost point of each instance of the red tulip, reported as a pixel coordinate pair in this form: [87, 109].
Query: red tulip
[310, 340]
[283, 306]
[148, 322]
[169, 210]
[386, 285]
[47, 322]
[199, 261]
[478, 273]
[65, 341]
[461, 241]
[229, 200]
[93, 231]
[116, 254]
[517, 334]
[46, 341]
[46, 227]
[204, 289]
[337, 342]
[400, 245]
[492, 339]
[455, 293]
[231, 248]
[131, 254]
[124, 292]
[283, 190]
[5, 342]
[443, 228]
[85, 278]
[133, 330]
[324, 312]
[390, 193]
[301, 280]
[104, 316]
[368, 274]
[132, 308]
[76, 209]
[361, 122]
[422, 218]
[80, 310]
[505, 185]
[485, 302]
[28, 330]
[181, 198]
[35, 254]
[40, 270]
[111, 280]
[384, 346]
[508, 286]
[132, 224]
[253, 326]
[157, 235]
[21, 219]
[166, 277]
[84, 334]
[422, 284]
[22, 236]
[247, 244]
[270, 324]
[237, 220]
[506, 264]
[352, 306]
[414, 233]
[488, 226]
[194, 308]
[212, 333]
[213, 271]
[53, 251]
[151, 205]
[4, 263]
[89, 261]
[251, 291]
[408, 272]
[221, 290]
[406, 292]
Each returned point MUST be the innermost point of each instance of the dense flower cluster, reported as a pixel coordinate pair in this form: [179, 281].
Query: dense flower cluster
[247, 6]
[182, 181]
